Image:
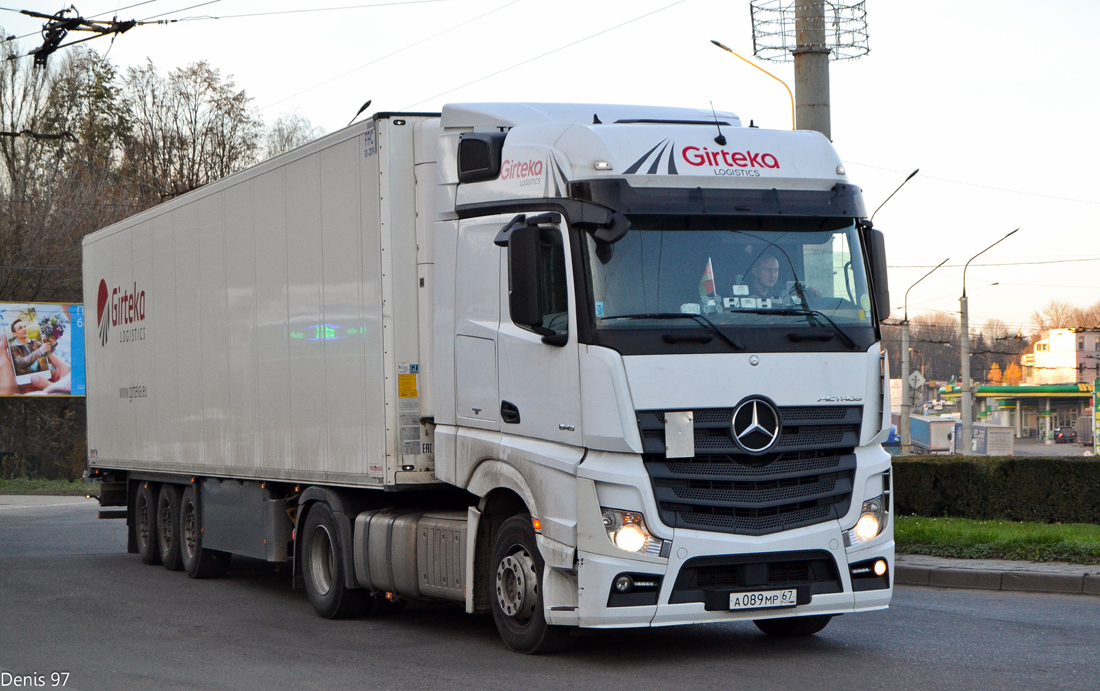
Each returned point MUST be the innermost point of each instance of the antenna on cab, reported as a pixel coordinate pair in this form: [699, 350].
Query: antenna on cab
[720, 140]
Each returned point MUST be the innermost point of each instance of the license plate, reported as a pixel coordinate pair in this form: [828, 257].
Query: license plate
[764, 598]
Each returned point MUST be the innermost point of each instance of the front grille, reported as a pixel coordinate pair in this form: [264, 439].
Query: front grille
[806, 480]
[711, 579]
[804, 427]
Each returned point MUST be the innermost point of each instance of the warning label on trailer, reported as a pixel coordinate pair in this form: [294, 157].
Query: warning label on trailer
[406, 386]
[408, 424]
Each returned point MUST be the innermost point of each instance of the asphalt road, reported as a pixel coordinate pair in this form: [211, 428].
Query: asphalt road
[72, 600]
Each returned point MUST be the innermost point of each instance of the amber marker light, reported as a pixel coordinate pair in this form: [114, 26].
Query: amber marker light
[536, 524]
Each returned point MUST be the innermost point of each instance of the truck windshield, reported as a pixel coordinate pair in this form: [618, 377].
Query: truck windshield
[741, 274]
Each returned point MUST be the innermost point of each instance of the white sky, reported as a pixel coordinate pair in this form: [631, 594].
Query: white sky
[979, 95]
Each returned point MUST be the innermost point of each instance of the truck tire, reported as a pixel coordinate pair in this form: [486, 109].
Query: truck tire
[516, 595]
[196, 560]
[322, 568]
[145, 524]
[792, 627]
[168, 520]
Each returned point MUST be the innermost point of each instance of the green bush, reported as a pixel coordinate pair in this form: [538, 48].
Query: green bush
[1042, 490]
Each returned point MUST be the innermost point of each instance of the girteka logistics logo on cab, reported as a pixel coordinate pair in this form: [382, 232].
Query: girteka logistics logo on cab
[120, 307]
[665, 158]
[728, 162]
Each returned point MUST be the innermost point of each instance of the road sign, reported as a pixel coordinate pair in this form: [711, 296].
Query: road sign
[916, 380]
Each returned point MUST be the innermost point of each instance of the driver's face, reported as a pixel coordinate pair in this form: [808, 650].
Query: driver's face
[767, 272]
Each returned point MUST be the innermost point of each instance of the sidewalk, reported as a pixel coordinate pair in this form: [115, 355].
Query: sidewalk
[997, 574]
[1034, 447]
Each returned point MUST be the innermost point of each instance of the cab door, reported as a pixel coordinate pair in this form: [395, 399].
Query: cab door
[539, 370]
[477, 317]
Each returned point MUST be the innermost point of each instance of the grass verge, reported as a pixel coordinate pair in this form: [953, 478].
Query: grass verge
[25, 485]
[964, 538]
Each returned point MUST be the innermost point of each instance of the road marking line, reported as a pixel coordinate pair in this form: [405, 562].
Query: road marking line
[39, 506]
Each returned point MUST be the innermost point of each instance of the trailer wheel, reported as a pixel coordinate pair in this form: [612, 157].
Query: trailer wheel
[196, 560]
[168, 519]
[792, 627]
[516, 597]
[322, 568]
[145, 524]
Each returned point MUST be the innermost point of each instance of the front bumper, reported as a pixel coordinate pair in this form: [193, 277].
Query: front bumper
[623, 484]
[597, 572]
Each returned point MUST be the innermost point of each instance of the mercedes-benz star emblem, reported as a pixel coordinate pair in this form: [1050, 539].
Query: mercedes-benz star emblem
[755, 425]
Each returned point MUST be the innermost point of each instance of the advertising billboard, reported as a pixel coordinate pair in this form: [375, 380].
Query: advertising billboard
[42, 351]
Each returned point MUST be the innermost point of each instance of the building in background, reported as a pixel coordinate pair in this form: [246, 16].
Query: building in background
[1063, 356]
[1058, 379]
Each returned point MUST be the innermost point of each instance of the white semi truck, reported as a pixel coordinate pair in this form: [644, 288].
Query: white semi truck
[574, 365]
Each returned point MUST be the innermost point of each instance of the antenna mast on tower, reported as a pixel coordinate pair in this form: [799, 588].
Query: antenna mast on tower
[809, 32]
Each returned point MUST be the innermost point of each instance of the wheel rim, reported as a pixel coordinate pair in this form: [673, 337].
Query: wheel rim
[142, 522]
[189, 537]
[164, 525]
[517, 585]
[322, 559]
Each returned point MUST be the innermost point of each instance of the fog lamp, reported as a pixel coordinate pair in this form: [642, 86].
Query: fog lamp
[880, 567]
[624, 584]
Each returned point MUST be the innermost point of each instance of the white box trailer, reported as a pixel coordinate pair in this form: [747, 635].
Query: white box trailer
[574, 365]
[268, 325]
[933, 434]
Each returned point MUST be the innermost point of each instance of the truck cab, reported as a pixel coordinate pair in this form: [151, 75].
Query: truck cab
[659, 330]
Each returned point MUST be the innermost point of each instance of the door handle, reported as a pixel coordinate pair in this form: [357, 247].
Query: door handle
[509, 412]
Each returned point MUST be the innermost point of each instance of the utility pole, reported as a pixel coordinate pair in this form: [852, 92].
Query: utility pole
[963, 445]
[800, 31]
[811, 68]
[906, 404]
[967, 412]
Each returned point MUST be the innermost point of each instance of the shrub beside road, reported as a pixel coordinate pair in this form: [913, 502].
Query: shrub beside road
[964, 538]
[24, 485]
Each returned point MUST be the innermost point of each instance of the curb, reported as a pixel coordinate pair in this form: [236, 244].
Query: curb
[955, 573]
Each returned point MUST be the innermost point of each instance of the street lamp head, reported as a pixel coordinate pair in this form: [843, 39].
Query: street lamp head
[980, 254]
[906, 303]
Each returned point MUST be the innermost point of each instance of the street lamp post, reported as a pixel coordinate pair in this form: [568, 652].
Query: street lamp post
[964, 348]
[906, 404]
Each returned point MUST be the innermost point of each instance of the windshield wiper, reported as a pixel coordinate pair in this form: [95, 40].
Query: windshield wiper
[682, 315]
[804, 312]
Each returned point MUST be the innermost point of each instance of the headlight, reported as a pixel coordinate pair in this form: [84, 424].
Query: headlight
[871, 523]
[627, 531]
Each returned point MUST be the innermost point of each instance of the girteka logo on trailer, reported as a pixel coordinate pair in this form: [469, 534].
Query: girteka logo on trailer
[120, 307]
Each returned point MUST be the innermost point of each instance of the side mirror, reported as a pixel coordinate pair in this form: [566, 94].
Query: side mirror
[524, 301]
[876, 252]
[536, 273]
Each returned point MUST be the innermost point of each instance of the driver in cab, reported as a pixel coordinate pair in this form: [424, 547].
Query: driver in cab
[763, 277]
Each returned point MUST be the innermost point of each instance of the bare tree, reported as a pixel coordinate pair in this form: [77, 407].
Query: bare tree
[57, 179]
[935, 339]
[189, 128]
[1090, 316]
[289, 131]
[1056, 315]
